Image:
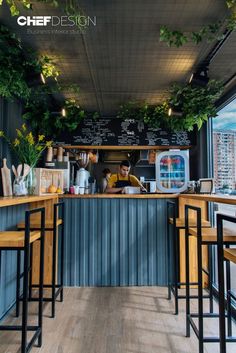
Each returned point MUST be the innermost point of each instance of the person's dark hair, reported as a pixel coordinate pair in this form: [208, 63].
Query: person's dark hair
[106, 171]
[125, 163]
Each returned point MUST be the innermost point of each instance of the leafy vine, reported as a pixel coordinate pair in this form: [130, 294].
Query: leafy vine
[17, 67]
[196, 105]
[209, 32]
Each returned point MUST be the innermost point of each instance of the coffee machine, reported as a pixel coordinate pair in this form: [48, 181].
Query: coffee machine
[82, 175]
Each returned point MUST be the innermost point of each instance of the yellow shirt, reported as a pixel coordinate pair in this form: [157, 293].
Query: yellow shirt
[113, 179]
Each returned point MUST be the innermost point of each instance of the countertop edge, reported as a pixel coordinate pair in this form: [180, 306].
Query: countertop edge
[120, 196]
[19, 200]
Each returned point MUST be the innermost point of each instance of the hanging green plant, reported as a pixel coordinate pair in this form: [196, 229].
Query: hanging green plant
[196, 104]
[17, 65]
[209, 32]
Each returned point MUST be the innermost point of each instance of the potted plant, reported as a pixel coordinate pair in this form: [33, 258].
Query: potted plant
[28, 150]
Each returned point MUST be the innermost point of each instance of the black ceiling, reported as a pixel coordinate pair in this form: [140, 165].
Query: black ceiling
[121, 58]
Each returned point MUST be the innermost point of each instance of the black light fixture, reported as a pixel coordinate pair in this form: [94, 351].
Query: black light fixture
[175, 111]
[200, 77]
[63, 112]
[42, 78]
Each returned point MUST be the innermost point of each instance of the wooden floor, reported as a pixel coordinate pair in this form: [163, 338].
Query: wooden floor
[115, 320]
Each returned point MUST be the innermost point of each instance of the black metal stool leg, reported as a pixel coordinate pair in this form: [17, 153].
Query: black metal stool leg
[168, 258]
[187, 275]
[25, 291]
[54, 248]
[40, 307]
[228, 289]
[200, 295]
[176, 262]
[210, 279]
[18, 282]
[62, 250]
[220, 254]
[30, 273]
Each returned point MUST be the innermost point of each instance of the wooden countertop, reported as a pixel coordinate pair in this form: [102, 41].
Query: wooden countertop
[231, 200]
[19, 200]
[121, 196]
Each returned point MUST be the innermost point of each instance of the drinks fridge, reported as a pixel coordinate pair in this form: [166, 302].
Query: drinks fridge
[172, 171]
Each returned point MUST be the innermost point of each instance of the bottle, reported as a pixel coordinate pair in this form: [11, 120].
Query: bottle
[49, 162]
[60, 154]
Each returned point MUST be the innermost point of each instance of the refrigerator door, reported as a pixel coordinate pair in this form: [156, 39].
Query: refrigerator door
[172, 171]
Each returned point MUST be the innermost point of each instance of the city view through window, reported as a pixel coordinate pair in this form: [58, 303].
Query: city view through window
[224, 147]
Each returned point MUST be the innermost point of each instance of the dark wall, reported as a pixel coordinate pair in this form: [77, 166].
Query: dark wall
[199, 155]
[10, 119]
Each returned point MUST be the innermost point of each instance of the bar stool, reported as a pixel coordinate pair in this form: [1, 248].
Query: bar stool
[204, 236]
[21, 241]
[177, 224]
[56, 288]
[228, 255]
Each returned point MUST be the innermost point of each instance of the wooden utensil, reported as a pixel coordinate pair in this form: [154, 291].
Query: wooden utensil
[26, 170]
[14, 171]
[6, 179]
[19, 170]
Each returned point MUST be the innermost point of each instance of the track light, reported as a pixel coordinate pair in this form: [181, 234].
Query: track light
[199, 78]
[63, 112]
[173, 111]
[42, 78]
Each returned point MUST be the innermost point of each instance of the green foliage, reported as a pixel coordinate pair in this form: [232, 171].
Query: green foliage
[175, 38]
[230, 3]
[196, 103]
[44, 121]
[209, 32]
[16, 64]
[26, 147]
[12, 67]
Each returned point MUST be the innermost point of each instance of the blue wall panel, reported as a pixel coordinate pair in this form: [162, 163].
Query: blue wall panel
[9, 217]
[115, 242]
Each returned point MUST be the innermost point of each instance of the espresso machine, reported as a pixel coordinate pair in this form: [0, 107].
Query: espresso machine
[82, 175]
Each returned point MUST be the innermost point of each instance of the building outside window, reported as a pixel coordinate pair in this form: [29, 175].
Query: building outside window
[224, 157]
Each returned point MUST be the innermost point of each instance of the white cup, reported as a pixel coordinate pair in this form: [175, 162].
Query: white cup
[81, 190]
[76, 188]
[153, 186]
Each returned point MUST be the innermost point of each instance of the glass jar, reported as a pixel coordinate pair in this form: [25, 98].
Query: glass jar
[19, 187]
[31, 182]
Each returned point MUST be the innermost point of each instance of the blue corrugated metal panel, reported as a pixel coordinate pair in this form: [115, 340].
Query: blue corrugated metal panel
[115, 242]
[9, 217]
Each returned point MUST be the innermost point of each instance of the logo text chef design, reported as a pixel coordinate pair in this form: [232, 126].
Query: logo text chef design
[64, 21]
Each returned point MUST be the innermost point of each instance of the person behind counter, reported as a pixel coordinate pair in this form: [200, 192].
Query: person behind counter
[117, 182]
[106, 176]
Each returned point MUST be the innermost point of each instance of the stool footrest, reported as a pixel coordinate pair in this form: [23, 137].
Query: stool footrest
[209, 315]
[45, 299]
[209, 339]
[232, 294]
[18, 328]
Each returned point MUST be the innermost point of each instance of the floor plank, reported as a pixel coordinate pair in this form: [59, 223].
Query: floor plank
[114, 320]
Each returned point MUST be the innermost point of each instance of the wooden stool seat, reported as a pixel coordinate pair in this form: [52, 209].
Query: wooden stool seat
[180, 222]
[210, 235]
[16, 239]
[36, 224]
[230, 254]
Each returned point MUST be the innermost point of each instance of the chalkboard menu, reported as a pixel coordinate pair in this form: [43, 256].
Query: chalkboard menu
[119, 132]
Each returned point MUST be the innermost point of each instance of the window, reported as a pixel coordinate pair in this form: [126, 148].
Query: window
[224, 165]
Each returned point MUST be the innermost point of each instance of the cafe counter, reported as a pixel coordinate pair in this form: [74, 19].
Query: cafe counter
[116, 239]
